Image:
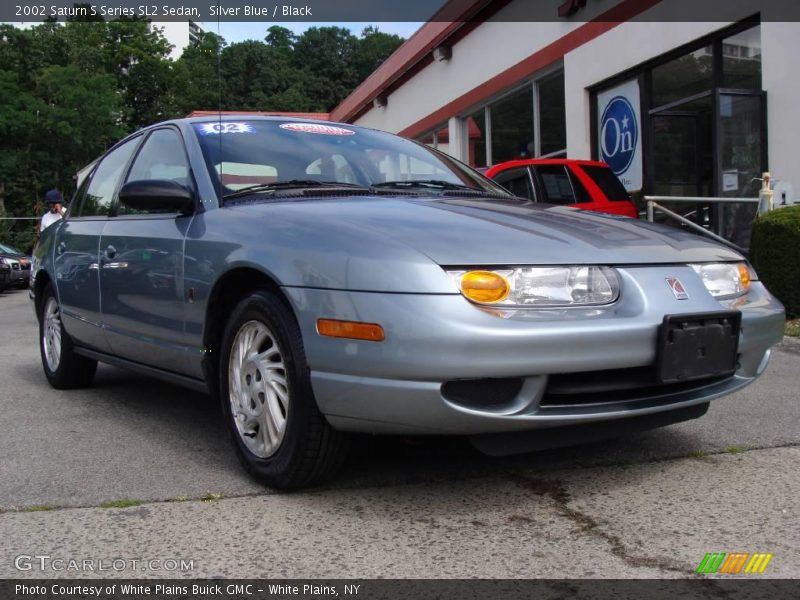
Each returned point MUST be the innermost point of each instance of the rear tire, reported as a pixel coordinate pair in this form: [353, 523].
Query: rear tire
[63, 368]
[279, 434]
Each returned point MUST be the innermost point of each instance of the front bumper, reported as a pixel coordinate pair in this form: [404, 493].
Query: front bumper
[20, 277]
[396, 386]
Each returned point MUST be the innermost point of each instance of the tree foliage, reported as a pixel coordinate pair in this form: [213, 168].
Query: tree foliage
[69, 91]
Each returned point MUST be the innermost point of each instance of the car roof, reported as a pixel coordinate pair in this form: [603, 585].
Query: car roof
[524, 162]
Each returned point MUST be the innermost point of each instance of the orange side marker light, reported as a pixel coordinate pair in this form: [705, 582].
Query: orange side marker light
[352, 330]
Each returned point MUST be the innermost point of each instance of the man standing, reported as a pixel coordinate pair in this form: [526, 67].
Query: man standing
[54, 200]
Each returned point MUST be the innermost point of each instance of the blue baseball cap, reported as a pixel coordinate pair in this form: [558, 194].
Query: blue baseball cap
[53, 197]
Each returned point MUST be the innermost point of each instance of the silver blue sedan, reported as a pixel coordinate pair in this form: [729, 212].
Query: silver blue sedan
[322, 279]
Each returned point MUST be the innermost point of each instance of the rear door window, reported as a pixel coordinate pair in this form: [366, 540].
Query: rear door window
[560, 185]
[516, 181]
[608, 183]
[100, 191]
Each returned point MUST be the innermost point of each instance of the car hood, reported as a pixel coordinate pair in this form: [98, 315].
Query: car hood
[466, 231]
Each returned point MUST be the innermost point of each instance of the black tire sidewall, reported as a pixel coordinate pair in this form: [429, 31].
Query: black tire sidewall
[303, 414]
[73, 371]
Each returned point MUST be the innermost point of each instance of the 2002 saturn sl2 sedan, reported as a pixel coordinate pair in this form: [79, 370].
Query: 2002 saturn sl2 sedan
[325, 278]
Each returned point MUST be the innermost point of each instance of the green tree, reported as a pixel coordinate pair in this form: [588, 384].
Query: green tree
[196, 75]
[255, 73]
[373, 48]
[281, 39]
[325, 55]
[151, 94]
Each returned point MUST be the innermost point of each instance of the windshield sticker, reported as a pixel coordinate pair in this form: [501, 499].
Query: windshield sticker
[317, 128]
[217, 128]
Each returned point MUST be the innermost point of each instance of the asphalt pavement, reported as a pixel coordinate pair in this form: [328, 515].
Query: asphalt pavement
[645, 505]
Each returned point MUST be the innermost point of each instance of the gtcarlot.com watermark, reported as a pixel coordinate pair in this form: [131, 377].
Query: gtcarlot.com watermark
[45, 562]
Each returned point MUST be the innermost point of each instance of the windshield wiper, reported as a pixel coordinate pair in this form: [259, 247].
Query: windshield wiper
[447, 188]
[425, 183]
[273, 186]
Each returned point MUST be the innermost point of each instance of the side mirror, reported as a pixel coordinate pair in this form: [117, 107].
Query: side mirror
[157, 196]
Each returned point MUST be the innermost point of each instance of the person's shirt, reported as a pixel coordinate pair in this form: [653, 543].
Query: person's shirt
[49, 218]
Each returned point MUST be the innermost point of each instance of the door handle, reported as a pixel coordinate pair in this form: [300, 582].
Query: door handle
[111, 252]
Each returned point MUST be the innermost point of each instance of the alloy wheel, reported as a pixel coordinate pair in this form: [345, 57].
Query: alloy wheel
[258, 389]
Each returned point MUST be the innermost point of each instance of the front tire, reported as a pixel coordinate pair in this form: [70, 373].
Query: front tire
[279, 434]
[63, 368]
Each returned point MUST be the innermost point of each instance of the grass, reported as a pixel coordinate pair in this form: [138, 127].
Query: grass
[211, 497]
[697, 454]
[40, 508]
[792, 328]
[735, 449]
[122, 503]
[180, 499]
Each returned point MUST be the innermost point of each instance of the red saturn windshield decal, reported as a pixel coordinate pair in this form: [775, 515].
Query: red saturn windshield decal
[317, 128]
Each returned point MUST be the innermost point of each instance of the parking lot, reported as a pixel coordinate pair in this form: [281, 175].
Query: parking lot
[646, 505]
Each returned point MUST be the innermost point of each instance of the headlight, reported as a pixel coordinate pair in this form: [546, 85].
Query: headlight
[539, 286]
[725, 280]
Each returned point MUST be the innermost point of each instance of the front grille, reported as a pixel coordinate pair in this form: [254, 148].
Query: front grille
[26, 267]
[614, 385]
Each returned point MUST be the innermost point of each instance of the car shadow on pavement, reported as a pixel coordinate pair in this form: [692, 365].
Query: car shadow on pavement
[180, 433]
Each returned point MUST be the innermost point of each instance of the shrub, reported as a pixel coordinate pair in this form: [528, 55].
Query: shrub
[775, 253]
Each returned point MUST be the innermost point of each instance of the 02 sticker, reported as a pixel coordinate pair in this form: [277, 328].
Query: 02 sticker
[219, 128]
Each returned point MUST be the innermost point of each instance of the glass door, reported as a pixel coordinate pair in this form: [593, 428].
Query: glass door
[741, 160]
[682, 160]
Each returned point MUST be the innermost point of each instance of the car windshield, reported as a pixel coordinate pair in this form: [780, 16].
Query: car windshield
[265, 155]
[9, 249]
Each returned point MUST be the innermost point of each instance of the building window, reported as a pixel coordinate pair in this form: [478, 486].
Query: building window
[512, 126]
[741, 60]
[438, 139]
[526, 123]
[686, 76]
[477, 136]
[552, 117]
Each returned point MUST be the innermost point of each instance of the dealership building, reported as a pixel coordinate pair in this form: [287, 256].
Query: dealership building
[676, 108]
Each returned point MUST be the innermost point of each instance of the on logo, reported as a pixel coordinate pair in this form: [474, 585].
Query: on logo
[619, 134]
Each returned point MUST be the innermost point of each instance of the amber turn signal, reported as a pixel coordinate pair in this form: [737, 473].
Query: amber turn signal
[485, 287]
[353, 330]
[744, 276]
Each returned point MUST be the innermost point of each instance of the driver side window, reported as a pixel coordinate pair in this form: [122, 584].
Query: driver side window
[163, 157]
